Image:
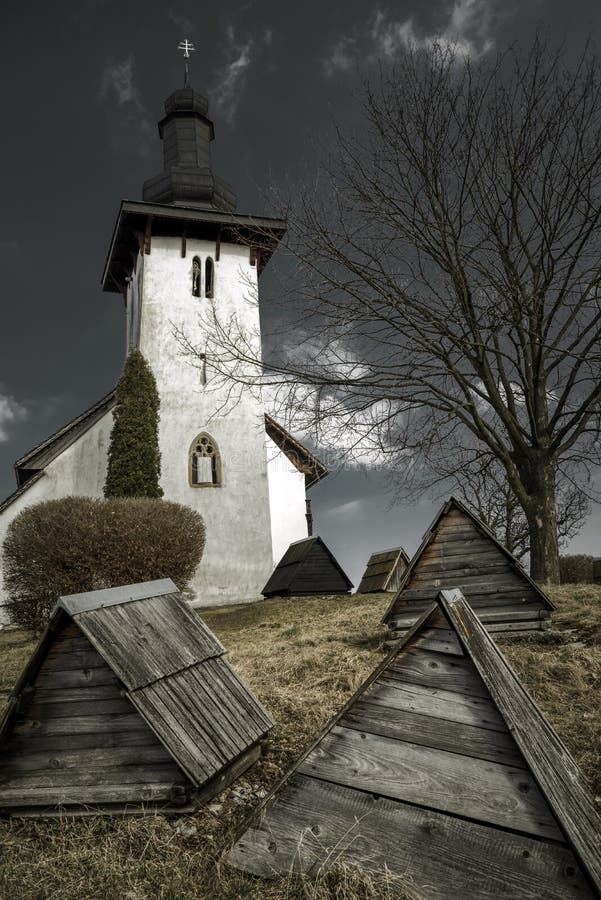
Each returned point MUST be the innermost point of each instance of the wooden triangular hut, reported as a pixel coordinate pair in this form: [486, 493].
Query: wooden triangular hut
[307, 567]
[384, 571]
[443, 769]
[127, 703]
[459, 550]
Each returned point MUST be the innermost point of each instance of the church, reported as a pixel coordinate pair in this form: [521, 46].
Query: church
[181, 258]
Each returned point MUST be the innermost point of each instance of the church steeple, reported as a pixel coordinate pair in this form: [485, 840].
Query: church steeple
[187, 178]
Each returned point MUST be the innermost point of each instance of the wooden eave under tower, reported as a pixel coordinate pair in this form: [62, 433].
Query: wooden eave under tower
[127, 705]
[138, 222]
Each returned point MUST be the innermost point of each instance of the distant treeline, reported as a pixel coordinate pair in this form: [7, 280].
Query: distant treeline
[576, 568]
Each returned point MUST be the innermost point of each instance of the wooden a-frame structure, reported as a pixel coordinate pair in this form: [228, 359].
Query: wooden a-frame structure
[459, 550]
[384, 571]
[307, 567]
[127, 705]
[443, 769]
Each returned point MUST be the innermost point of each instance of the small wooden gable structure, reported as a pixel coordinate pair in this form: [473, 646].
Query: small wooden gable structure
[443, 769]
[307, 567]
[384, 571]
[127, 702]
[459, 550]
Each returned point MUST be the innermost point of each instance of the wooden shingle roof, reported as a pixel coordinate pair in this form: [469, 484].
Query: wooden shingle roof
[381, 569]
[299, 455]
[459, 550]
[443, 769]
[157, 667]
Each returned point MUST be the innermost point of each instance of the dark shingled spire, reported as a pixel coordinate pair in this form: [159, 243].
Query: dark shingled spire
[187, 178]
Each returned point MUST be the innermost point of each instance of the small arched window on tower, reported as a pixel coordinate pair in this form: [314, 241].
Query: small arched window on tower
[209, 277]
[196, 276]
[204, 468]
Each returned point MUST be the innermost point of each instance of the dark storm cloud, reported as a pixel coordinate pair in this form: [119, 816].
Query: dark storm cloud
[84, 84]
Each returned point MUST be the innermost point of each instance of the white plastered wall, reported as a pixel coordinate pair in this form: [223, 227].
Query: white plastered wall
[80, 470]
[238, 554]
[286, 501]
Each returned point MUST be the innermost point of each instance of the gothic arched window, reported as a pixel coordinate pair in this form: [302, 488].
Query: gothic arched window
[204, 466]
[196, 276]
[209, 277]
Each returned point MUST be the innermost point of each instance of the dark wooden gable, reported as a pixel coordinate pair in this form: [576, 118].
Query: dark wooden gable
[421, 772]
[460, 551]
[77, 739]
[384, 571]
[177, 725]
[307, 567]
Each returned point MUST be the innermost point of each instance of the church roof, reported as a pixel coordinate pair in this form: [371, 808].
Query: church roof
[30, 467]
[442, 769]
[43, 453]
[304, 460]
[187, 177]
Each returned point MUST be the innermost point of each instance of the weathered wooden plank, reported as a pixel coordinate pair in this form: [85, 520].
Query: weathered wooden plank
[97, 793]
[24, 785]
[92, 740]
[78, 811]
[65, 645]
[143, 640]
[68, 695]
[314, 823]
[480, 790]
[438, 639]
[85, 658]
[437, 670]
[480, 581]
[508, 627]
[556, 772]
[81, 725]
[522, 612]
[74, 708]
[89, 758]
[487, 590]
[427, 731]
[77, 678]
[428, 701]
[465, 565]
[478, 549]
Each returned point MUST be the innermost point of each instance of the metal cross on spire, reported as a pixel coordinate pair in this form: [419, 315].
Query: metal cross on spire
[187, 47]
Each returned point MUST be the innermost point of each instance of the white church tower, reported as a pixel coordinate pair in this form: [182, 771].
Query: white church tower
[182, 258]
[179, 258]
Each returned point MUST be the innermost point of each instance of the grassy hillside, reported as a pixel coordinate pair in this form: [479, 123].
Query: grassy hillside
[303, 658]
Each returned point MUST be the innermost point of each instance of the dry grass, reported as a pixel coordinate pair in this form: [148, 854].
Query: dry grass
[565, 676]
[303, 658]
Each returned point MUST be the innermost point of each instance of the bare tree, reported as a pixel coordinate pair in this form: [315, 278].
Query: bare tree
[446, 280]
[487, 491]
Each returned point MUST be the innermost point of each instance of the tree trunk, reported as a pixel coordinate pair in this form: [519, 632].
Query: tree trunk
[542, 524]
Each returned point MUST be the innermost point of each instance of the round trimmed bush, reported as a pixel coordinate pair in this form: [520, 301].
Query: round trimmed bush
[81, 544]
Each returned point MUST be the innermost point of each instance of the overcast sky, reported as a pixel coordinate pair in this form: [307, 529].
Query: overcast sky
[83, 84]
